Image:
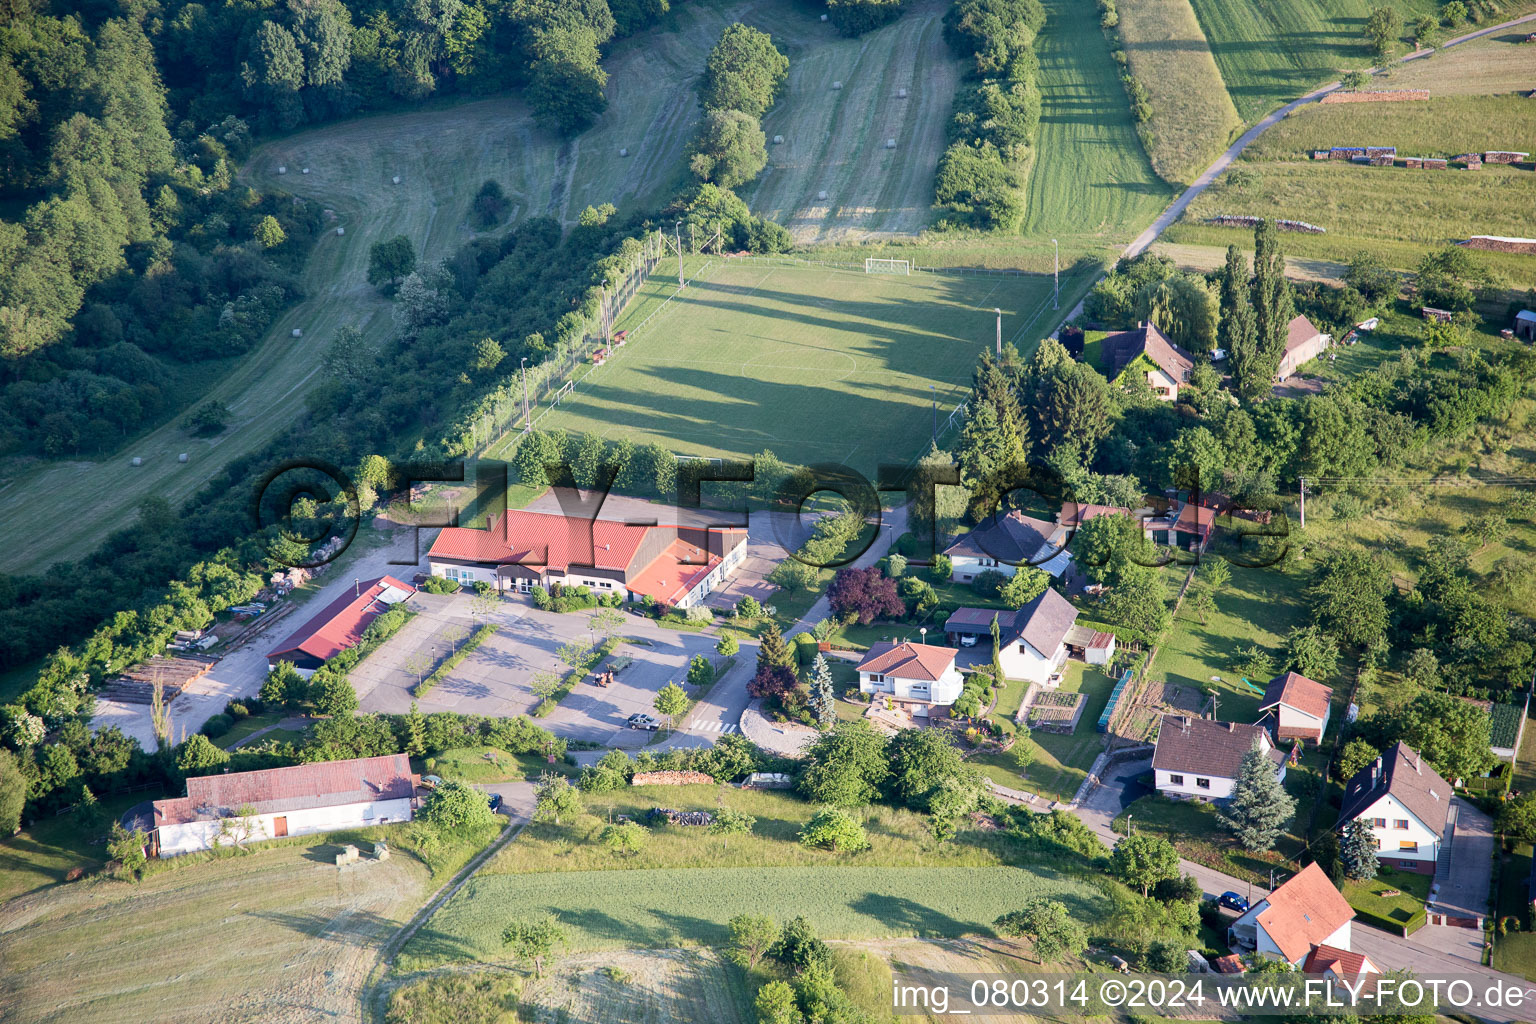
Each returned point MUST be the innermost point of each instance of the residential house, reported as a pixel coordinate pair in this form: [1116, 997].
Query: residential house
[1302, 915]
[919, 678]
[1147, 350]
[1035, 640]
[275, 802]
[1199, 758]
[1303, 343]
[340, 624]
[1340, 965]
[1002, 543]
[1298, 706]
[1406, 804]
[673, 565]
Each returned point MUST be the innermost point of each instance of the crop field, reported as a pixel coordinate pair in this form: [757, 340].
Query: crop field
[1273, 52]
[674, 907]
[1440, 126]
[278, 935]
[816, 364]
[1193, 118]
[442, 156]
[1091, 182]
[1493, 64]
[834, 139]
[1397, 213]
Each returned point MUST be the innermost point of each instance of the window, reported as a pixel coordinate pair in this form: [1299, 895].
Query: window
[1408, 846]
[1406, 864]
[1175, 780]
[1379, 822]
[1378, 843]
[1401, 824]
[1202, 783]
[876, 677]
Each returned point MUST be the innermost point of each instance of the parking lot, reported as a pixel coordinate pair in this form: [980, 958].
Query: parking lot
[495, 678]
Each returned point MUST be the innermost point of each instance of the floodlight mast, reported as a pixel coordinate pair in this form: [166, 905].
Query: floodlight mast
[998, 310]
[1056, 275]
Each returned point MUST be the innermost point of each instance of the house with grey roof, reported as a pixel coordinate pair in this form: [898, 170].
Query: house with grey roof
[1002, 543]
[1405, 803]
[1199, 758]
[1034, 641]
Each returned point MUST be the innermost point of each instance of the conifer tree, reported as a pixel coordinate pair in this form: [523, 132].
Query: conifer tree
[1357, 850]
[1260, 807]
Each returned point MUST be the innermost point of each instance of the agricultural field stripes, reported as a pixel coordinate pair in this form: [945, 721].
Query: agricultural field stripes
[1193, 118]
[1091, 179]
[1494, 64]
[814, 363]
[674, 907]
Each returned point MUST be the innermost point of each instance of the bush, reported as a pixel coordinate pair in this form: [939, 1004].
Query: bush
[439, 585]
[835, 829]
[218, 725]
[855, 17]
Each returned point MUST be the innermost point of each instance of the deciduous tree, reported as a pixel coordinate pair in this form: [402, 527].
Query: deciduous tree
[1141, 861]
[1049, 927]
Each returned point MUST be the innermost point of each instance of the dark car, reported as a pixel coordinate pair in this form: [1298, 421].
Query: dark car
[643, 721]
[1232, 901]
[495, 801]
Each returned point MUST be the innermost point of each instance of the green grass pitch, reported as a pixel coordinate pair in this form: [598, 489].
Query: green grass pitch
[817, 364]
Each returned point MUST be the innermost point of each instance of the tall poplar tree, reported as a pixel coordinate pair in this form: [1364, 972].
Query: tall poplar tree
[1236, 332]
[1273, 304]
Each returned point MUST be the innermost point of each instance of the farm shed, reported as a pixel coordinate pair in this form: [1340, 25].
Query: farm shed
[1303, 343]
[294, 801]
[340, 624]
[1525, 324]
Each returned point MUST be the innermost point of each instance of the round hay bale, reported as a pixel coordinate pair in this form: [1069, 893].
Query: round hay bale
[135, 461]
[835, 85]
[304, 171]
[396, 179]
[821, 195]
[624, 151]
[901, 94]
[890, 143]
[778, 140]
[823, 17]
[298, 332]
[182, 457]
[282, 170]
[341, 231]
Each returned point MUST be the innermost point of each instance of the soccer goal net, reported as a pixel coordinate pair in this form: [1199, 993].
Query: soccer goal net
[876, 266]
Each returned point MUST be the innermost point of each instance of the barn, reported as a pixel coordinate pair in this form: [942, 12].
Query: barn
[299, 800]
[1303, 343]
[340, 624]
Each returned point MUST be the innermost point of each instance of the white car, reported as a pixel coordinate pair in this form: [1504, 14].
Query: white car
[968, 640]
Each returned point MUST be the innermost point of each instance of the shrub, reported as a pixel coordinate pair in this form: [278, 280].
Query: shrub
[439, 585]
[835, 829]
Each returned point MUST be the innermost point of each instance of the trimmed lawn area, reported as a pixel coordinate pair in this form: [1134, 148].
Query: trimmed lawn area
[44, 852]
[1194, 830]
[1061, 762]
[485, 764]
[1370, 900]
[1516, 954]
[673, 907]
[251, 724]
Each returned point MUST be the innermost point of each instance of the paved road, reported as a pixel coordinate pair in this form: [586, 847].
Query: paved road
[1432, 949]
[1221, 163]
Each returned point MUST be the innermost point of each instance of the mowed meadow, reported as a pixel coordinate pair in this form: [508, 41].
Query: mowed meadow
[818, 364]
[1193, 118]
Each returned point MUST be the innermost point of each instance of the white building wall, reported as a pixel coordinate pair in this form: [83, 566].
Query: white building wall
[1390, 838]
[199, 835]
[945, 690]
[966, 568]
[1021, 661]
[466, 575]
[1219, 788]
[1290, 718]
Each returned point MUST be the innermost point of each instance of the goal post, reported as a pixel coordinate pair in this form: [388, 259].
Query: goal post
[883, 266]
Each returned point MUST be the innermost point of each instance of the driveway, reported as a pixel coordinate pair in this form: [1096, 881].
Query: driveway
[1465, 874]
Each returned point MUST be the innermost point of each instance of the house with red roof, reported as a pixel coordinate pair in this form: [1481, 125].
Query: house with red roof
[340, 624]
[674, 565]
[916, 677]
[299, 800]
[1296, 707]
[1340, 965]
[1300, 917]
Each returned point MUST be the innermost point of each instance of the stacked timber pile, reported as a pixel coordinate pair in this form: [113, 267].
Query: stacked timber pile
[1240, 220]
[137, 684]
[1379, 96]
[1499, 243]
[671, 779]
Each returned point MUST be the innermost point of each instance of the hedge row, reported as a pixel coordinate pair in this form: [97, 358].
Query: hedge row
[452, 661]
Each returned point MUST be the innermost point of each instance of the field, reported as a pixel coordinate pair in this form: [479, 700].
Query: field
[671, 907]
[1193, 118]
[443, 154]
[1091, 182]
[816, 364]
[1273, 52]
[834, 139]
[278, 935]
[1492, 64]
[1440, 126]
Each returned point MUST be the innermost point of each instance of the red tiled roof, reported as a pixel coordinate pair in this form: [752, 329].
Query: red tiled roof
[1344, 963]
[341, 623]
[541, 540]
[1297, 691]
[908, 660]
[673, 573]
[1196, 519]
[1073, 515]
[327, 784]
[1303, 912]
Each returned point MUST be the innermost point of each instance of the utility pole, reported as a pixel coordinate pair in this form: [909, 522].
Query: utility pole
[999, 312]
[935, 392]
[678, 230]
[1056, 276]
[1303, 503]
[524, 367]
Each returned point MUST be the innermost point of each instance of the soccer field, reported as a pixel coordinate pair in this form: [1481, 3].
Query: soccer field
[817, 364]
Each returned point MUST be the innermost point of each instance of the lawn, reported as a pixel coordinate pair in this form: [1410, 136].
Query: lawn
[1193, 118]
[681, 906]
[814, 363]
[1199, 836]
[1515, 953]
[485, 764]
[204, 938]
[45, 851]
[1091, 179]
[1269, 53]
[1258, 606]
[1370, 900]
[1061, 762]
[250, 725]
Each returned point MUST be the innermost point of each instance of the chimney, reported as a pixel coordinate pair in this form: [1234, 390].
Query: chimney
[357, 587]
[490, 522]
